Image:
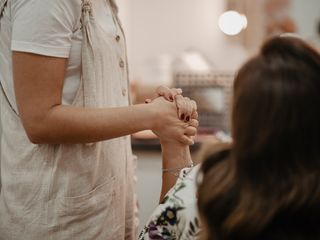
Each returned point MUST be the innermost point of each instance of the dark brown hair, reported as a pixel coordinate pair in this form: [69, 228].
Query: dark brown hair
[267, 184]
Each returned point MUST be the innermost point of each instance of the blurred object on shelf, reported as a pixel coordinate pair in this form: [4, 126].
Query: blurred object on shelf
[209, 99]
[278, 19]
[192, 61]
[264, 19]
[157, 70]
[315, 39]
[213, 93]
[253, 34]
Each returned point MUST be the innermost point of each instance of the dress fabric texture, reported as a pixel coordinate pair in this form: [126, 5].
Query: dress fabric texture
[177, 216]
[76, 191]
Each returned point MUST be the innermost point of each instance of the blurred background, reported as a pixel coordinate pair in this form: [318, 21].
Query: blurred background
[158, 32]
[199, 45]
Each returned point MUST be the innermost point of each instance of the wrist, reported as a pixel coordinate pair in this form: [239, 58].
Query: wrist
[175, 155]
[150, 116]
[167, 145]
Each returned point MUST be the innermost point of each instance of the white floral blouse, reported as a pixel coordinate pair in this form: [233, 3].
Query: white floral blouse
[177, 217]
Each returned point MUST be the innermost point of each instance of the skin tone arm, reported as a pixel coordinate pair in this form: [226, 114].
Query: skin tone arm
[174, 154]
[38, 83]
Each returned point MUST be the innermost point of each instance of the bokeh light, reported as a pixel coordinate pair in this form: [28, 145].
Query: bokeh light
[232, 22]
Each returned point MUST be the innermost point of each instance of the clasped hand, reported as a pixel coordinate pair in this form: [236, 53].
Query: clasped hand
[177, 116]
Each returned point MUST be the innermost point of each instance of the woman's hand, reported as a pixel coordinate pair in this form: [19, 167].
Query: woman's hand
[168, 93]
[175, 154]
[168, 127]
[187, 109]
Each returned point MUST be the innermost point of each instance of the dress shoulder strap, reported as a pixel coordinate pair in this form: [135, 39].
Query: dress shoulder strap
[87, 54]
[3, 4]
[114, 6]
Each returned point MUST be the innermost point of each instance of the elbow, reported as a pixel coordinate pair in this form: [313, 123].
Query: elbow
[36, 133]
[35, 139]
[39, 128]
[38, 125]
[35, 136]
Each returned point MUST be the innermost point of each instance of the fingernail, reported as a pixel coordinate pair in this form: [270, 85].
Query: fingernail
[182, 116]
[188, 119]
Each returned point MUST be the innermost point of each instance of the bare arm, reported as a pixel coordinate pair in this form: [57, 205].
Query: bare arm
[38, 82]
[174, 156]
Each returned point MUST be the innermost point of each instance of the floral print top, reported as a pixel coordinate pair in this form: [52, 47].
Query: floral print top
[177, 216]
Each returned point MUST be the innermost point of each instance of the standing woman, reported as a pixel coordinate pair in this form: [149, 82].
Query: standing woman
[66, 160]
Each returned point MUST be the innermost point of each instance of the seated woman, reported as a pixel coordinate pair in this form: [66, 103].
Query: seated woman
[266, 184]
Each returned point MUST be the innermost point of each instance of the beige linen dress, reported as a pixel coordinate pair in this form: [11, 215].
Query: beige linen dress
[78, 191]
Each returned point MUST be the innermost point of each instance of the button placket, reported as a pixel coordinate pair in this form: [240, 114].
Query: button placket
[121, 63]
[119, 44]
[122, 55]
[123, 78]
[124, 92]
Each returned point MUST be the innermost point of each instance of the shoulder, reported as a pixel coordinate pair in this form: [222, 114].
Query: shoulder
[62, 8]
[34, 3]
[44, 27]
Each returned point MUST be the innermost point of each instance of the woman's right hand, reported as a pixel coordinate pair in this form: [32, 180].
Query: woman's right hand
[168, 127]
[187, 108]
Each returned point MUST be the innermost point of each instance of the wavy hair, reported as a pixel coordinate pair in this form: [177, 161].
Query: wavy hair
[266, 185]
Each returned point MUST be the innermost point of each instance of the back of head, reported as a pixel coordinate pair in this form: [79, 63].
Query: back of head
[276, 111]
[272, 172]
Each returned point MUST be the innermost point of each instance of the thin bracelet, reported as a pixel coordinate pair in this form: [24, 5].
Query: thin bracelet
[176, 171]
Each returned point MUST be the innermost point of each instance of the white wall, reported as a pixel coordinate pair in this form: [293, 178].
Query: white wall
[149, 183]
[168, 27]
[306, 14]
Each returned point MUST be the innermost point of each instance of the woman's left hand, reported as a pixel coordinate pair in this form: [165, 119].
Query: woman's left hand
[187, 108]
[168, 93]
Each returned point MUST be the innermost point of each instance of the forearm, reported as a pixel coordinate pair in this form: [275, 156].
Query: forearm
[68, 124]
[174, 156]
[38, 85]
